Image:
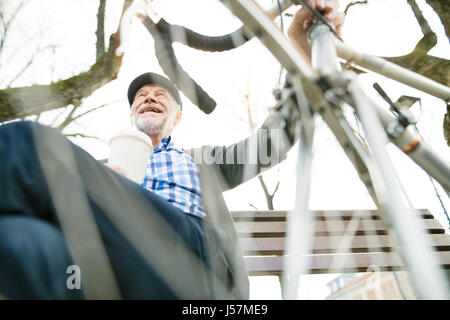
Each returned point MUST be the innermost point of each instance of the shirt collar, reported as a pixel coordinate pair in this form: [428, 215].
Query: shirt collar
[164, 144]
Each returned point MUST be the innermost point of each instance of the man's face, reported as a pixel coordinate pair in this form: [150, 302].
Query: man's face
[154, 111]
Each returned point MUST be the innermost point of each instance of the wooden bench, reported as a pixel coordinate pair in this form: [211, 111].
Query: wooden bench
[344, 241]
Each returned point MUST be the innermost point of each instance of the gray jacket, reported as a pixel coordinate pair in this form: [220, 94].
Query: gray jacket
[223, 168]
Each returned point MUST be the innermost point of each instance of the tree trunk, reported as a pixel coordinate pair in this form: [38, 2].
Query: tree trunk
[434, 68]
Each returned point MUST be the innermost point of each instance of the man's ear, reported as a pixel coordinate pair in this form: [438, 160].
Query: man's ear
[178, 118]
[131, 119]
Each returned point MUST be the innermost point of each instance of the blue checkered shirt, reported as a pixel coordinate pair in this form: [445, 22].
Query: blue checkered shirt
[172, 174]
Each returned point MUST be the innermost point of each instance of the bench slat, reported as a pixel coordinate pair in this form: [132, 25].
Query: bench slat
[281, 215]
[344, 241]
[263, 228]
[349, 263]
[336, 244]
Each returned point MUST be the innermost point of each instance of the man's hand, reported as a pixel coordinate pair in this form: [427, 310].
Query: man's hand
[298, 30]
[117, 169]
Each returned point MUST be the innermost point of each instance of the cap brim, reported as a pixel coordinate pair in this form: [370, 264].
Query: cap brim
[152, 78]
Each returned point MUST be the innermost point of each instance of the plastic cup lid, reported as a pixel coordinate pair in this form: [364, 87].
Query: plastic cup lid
[132, 133]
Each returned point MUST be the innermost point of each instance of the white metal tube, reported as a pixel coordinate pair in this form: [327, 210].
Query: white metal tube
[409, 142]
[393, 71]
[323, 50]
[423, 264]
[300, 222]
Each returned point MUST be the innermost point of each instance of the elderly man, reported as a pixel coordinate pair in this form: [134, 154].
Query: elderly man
[72, 228]
[155, 110]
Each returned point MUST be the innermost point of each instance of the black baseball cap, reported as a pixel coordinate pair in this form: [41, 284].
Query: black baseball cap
[152, 78]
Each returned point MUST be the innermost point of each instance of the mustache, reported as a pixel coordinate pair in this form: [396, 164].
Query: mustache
[147, 105]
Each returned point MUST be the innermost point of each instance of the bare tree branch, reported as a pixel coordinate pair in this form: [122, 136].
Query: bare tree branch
[435, 68]
[28, 64]
[55, 119]
[6, 24]
[429, 39]
[69, 118]
[263, 185]
[442, 9]
[100, 33]
[419, 61]
[25, 101]
[94, 109]
[276, 188]
[82, 135]
[419, 16]
[269, 197]
[28, 39]
[351, 4]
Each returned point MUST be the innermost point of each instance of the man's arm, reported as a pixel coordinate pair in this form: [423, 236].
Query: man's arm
[242, 161]
[303, 19]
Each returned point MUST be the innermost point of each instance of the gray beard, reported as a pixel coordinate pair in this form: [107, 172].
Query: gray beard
[151, 128]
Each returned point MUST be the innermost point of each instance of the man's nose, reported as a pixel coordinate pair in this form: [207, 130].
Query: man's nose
[150, 97]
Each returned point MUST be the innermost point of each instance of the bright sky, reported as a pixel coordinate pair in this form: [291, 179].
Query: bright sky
[383, 27]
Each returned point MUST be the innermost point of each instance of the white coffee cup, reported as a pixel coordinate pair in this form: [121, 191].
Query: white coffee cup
[130, 150]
